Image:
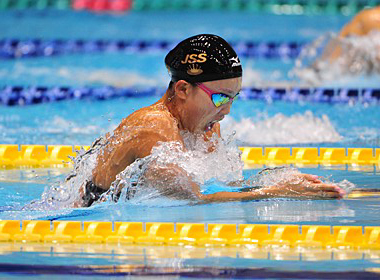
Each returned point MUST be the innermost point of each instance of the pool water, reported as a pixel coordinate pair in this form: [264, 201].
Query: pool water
[167, 262]
[20, 187]
[128, 69]
[257, 123]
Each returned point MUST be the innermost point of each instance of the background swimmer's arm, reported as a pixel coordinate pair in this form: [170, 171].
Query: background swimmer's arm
[333, 49]
[363, 23]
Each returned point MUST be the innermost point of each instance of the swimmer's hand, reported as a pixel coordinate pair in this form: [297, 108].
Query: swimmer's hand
[174, 182]
[303, 186]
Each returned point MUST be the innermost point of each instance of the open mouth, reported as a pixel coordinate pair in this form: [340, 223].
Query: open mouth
[210, 125]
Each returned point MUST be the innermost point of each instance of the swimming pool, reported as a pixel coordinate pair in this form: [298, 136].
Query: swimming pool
[258, 123]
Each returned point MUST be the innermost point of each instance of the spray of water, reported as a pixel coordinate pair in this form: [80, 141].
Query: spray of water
[165, 175]
[169, 170]
[286, 176]
[281, 129]
[335, 60]
[67, 194]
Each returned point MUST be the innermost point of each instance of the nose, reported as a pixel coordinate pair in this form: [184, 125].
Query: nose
[225, 109]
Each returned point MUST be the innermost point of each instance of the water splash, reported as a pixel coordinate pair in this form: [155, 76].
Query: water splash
[331, 60]
[289, 178]
[274, 176]
[164, 178]
[117, 78]
[346, 185]
[146, 180]
[67, 194]
[280, 129]
[169, 170]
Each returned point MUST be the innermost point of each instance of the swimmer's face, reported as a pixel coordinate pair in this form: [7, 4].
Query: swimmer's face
[203, 111]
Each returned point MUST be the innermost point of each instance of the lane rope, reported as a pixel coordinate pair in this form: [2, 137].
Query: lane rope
[19, 95]
[285, 7]
[11, 48]
[34, 156]
[196, 234]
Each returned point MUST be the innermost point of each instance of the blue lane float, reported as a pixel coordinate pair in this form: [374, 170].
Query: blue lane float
[15, 48]
[19, 95]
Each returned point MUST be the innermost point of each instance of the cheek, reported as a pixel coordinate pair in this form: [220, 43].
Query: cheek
[205, 110]
[202, 107]
[197, 112]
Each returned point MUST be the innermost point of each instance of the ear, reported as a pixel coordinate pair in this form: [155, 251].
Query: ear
[181, 89]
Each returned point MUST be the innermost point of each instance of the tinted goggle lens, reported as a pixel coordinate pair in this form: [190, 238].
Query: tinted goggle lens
[220, 99]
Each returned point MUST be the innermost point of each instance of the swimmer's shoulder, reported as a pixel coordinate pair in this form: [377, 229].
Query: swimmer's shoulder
[153, 116]
[154, 120]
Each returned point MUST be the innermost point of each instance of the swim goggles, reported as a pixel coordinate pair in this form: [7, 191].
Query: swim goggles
[218, 98]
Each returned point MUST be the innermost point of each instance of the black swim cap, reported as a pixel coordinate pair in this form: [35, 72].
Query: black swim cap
[203, 58]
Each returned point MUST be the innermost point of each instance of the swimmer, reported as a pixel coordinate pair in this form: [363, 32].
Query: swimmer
[363, 24]
[206, 77]
[354, 51]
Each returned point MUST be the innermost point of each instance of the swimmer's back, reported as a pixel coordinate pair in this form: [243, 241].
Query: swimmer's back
[363, 23]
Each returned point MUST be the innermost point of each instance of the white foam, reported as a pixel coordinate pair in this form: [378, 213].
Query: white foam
[281, 129]
[357, 64]
[67, 194]
[117, 78]
[195, 163]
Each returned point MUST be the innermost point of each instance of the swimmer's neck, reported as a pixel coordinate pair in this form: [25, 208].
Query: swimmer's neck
[175, 108]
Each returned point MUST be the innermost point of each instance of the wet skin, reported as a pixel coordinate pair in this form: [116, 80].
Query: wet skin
[187, 108]
[365, 22]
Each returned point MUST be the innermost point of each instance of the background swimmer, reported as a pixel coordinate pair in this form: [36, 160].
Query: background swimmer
[364, 23]
[206, 76]
[354, 51]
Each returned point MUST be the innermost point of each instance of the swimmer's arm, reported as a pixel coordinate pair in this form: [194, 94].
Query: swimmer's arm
[175, 182]
[232, 196]
[122, 154]
[300, 186]
[333, 49]
[363, 23]
[317, 191]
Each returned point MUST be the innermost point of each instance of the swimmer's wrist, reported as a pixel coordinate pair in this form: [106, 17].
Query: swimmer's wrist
[265, 192]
